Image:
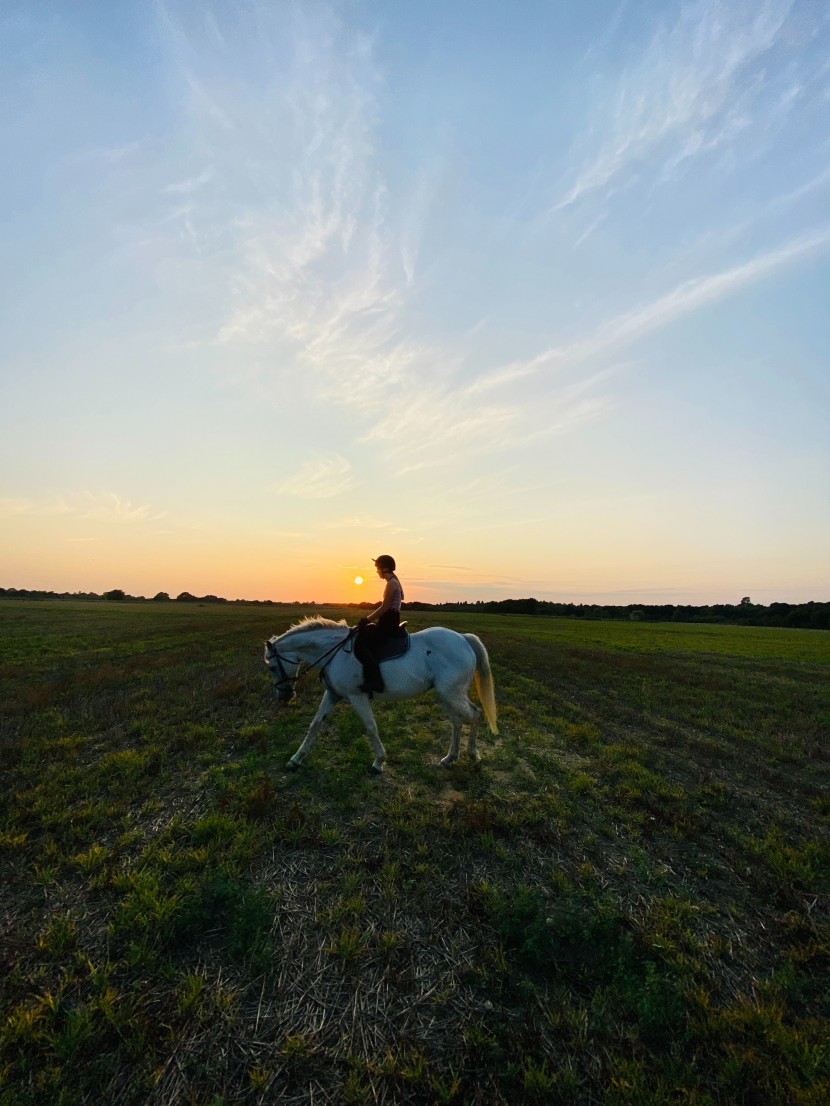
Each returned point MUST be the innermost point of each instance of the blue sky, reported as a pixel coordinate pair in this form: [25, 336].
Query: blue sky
[531, 295]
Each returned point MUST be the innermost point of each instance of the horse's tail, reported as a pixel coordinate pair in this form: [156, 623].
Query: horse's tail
[484, 681]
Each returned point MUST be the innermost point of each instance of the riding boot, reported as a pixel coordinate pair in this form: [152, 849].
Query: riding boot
[372, 679]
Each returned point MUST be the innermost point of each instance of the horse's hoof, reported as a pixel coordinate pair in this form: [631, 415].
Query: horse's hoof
[292, 766]
[447, 762]
[376, 770]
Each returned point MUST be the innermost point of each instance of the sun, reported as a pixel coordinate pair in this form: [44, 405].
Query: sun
[358, 579]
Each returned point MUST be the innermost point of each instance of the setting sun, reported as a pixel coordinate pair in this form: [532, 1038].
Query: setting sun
[358, 579]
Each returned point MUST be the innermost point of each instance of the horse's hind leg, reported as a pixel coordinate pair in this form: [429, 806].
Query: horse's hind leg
[472, 747]
[455, 741]
[461, 711]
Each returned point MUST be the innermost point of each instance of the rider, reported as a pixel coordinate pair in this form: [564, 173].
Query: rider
[382, 623]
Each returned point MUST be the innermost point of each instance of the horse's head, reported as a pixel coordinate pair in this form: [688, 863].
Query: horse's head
[284, 671]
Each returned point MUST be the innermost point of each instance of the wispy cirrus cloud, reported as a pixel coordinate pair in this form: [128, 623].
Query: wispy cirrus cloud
[366, 522]
[321, 261]
[319, 478]
[614, 334]
[190, 184]
[11, 507]
[98, 506]
[320, 266]
[106, 155]
[111, 507]
[699, 83]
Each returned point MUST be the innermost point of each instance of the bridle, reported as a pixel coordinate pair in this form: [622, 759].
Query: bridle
[285, 679]
[288, 681]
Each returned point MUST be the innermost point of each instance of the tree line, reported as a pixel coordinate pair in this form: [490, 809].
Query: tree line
[810, 616]
[119, 595]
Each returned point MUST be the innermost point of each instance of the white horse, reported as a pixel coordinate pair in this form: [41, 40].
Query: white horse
[437, 658]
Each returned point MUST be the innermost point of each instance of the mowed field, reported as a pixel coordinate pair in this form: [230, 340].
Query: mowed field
[626, 902]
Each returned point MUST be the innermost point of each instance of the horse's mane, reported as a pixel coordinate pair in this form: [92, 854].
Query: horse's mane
[316, 622]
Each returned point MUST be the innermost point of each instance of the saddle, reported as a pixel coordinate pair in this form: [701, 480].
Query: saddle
[391, 647]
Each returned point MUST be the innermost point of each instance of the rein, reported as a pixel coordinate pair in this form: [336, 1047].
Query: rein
[330, 653]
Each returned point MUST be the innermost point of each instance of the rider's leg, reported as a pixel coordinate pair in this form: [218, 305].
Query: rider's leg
[385, 627]
[366, 638]
[372, 679]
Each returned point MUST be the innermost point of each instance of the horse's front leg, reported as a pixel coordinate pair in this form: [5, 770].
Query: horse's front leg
[327, 704]
[361, 706]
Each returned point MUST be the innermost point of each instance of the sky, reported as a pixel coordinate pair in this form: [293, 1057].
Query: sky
[531, 295]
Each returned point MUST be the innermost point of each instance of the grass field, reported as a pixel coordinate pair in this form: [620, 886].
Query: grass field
[625, 903]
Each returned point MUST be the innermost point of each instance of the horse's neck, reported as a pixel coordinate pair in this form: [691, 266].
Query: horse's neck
[314, 642]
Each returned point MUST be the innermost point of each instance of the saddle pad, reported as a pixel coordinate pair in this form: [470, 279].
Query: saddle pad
[392, 647]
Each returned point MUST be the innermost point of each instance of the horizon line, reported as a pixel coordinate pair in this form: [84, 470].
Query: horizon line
[413, 605]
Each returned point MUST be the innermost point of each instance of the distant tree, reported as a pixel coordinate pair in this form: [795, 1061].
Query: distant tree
[185, 597]
[746, 601]
[161, 596]
[116, 593]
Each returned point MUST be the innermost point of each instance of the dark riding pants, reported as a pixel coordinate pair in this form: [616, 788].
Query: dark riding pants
[369, 638]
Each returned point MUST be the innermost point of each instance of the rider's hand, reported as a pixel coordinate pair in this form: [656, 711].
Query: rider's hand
[363, 622]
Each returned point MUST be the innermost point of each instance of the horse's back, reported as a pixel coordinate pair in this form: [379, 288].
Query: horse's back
[444, 643]
[432, 634]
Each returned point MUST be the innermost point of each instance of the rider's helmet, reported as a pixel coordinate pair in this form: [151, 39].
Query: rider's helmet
[385, 562]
